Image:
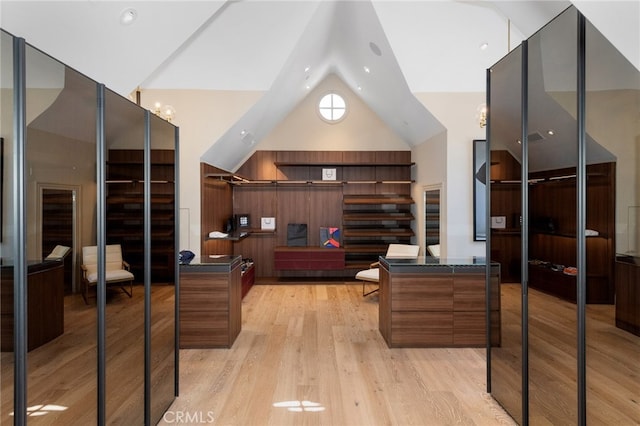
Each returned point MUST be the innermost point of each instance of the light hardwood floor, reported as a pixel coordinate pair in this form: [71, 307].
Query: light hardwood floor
[311, 354]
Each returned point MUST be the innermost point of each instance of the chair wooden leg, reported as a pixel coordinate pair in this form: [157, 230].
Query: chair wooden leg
[130, 292]
[85, 292]
[369, 292]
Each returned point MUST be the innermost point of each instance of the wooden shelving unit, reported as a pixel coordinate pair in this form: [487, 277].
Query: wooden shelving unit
[373, 221]
[552, 199]
[125, 210]
[370, 200]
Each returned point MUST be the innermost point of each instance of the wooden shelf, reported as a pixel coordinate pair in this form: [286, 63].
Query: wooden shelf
[378, 199]
[373, 221]
[125, 212]
[341, 164]
[554, 196]
[377, 216]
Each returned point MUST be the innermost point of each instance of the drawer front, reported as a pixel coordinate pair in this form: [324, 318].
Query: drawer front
[469, 293]
[292, 264]
[421, 329]
[204, 329]
[421, 293]
[310, 259]
[204, 291]
[469, 329]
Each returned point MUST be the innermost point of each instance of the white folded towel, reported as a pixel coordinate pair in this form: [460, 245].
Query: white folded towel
[218, 234]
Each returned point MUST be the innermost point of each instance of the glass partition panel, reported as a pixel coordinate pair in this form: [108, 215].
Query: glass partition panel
[125, 300]
[60, 155]
[7, 239]
[163, 266]
[612, 110]
[552, 154]
[506, 239]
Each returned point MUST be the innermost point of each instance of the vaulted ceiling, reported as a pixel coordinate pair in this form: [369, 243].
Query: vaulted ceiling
[385, 51]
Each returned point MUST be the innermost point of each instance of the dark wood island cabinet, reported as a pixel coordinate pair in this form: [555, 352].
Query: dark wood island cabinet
[45, 303]
[433, 302]
[628, 293]
[210, 302]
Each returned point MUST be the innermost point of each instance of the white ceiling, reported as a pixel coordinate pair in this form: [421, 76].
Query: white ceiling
[264, 45]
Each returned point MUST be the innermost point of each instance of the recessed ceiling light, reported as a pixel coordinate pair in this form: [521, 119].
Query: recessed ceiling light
[128, 16]
[359, 87]
[550, 132]
[366, 69]
[306, 69]
[484, 46]
[375, 49]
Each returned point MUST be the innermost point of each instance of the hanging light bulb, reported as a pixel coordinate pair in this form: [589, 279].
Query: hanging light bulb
[481, 115]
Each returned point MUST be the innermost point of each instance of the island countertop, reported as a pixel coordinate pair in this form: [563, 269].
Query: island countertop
[212, 263]
[428, 264]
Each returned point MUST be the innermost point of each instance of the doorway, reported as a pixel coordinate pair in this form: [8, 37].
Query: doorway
[58, 226]
[432, 215]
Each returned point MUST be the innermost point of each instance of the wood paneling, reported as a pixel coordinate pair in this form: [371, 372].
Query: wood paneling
[210, 308]
[260, 248]
[216, 208]
[260, 166]
[325, 212]
[293, 207]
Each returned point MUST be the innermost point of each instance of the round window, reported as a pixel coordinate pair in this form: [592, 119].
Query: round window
[332, 107]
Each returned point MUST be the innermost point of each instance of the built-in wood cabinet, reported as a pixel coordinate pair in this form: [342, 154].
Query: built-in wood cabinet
[367, 194]
[125, 209]
[210, 302]
[552, 227]
[506, 202]
[553, 243]
[628, 294]
[437, 305]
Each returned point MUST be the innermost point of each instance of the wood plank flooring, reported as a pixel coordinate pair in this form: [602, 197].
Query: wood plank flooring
[311, 354]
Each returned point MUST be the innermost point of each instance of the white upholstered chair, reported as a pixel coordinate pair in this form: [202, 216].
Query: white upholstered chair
[434, 250]
[116, 269]
[394, 251]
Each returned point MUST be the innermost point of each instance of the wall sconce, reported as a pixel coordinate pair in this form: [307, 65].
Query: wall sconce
[166, 112]
[481, 115]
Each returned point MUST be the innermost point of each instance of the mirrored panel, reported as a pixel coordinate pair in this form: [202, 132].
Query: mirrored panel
[7, 239]
[125, 294]
[163, 265]
[552, 154]
[61, 220]
[506, 226]
[613, 240]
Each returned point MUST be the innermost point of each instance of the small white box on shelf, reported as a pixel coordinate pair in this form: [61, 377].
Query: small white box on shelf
[498, 222]
[268, 223]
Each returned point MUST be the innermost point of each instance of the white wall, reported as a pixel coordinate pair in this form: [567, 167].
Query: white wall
[203, 116]
[457, 112]
[430, 170]
[361, 129]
